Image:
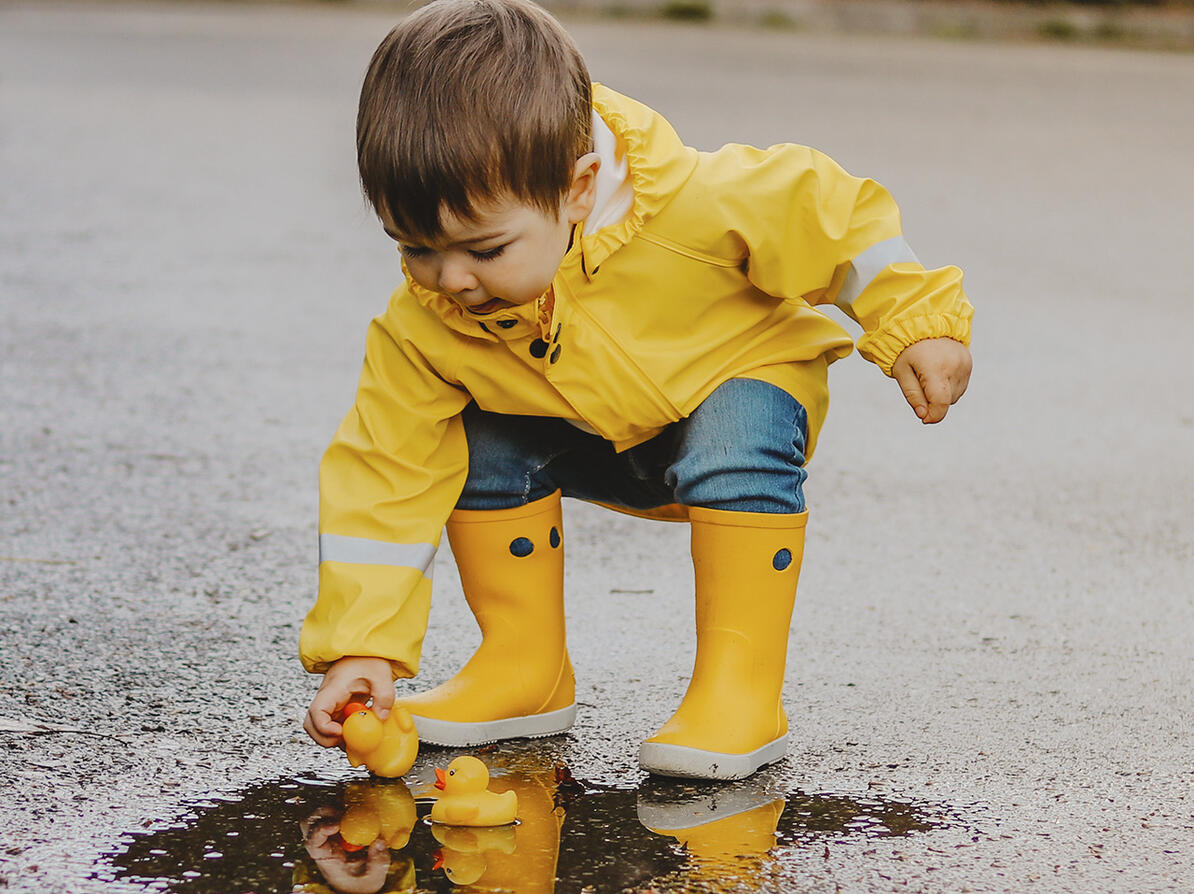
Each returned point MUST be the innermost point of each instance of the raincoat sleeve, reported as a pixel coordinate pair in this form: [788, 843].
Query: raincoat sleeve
[826, 237]
[387, 483]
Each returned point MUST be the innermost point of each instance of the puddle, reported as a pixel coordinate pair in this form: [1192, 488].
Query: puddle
[352, 833]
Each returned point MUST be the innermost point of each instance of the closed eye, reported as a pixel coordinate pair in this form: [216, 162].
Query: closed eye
[488, 254]
[413, 251]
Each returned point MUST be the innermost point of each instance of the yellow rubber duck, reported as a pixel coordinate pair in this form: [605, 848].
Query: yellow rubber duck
[387, 747]
[466, 800]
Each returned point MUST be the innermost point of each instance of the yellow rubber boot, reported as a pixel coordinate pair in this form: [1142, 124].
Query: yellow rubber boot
[732, 721]
[519, 683]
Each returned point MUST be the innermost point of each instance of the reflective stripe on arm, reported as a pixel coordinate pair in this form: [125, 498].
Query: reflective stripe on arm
[869, 264]
[359, 551]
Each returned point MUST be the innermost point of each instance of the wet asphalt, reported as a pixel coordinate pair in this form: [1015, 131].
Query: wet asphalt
[990, 677]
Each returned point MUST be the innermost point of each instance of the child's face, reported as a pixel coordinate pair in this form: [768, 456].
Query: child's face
[507, 256]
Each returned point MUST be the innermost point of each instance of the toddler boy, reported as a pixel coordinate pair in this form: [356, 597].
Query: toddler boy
[592, 309]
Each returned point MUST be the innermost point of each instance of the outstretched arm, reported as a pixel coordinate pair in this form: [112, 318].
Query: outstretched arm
[387, 483]
[933, 375]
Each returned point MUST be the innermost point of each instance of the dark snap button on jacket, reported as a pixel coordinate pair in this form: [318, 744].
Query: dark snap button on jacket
[556, 336]
[555, 355]
[538, 348]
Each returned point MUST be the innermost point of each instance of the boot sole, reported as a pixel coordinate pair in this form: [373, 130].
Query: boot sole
[457, 734]
[696, 763]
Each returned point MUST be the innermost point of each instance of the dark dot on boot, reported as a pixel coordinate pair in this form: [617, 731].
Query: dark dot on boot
[521, 546]
[554, 538]
[781, 560]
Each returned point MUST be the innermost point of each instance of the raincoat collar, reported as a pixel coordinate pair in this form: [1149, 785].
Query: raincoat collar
[659, 164]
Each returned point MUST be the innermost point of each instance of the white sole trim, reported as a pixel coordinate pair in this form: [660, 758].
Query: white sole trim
[695, 763]
[456, 734]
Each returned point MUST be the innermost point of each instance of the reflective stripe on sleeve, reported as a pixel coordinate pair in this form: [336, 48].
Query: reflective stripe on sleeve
[359, 551]
[869, 264]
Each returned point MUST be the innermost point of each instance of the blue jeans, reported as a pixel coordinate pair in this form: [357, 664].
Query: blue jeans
[742, 450]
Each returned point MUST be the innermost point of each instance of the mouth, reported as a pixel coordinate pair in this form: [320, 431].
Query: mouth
[489, 306]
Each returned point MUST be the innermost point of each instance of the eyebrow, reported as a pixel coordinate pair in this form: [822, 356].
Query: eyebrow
[487, 237]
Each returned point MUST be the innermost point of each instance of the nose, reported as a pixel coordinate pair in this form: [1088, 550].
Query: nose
[456, 277]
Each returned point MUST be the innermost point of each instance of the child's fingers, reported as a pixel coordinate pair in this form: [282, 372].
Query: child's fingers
[940, 396]
[320, 722]
[383, 699]
[909, 383]
[322, 729]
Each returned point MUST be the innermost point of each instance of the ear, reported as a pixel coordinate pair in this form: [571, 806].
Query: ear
[582, 194]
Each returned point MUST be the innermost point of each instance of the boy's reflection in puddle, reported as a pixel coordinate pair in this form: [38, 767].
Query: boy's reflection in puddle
[372, 836]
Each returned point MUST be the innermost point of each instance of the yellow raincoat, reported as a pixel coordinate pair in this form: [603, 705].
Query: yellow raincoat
[713, 274]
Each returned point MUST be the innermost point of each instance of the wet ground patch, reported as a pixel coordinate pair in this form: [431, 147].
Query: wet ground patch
[353, 833]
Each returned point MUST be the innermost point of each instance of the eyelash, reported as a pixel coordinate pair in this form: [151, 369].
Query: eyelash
[489, 254]
[414, 251]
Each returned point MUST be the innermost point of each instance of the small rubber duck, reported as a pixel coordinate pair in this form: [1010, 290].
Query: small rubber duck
[466, 800]
[387, 747]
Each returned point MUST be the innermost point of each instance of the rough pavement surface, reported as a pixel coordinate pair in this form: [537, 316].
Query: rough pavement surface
[996, 614]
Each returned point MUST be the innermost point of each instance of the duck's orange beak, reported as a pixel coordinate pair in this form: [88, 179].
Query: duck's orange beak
[441, 779]
[439, 859]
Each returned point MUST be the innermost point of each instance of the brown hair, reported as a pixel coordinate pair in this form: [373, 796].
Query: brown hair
[467, 102]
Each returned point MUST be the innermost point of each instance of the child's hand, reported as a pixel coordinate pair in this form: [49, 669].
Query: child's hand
[348, 677]
[933, 375]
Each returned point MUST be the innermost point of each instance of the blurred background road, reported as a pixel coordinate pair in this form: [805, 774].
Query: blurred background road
[996, 614]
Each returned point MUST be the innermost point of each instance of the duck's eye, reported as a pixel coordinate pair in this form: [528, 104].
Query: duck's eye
[451, 772]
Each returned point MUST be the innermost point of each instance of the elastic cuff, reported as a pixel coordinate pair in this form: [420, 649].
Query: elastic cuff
[399, 670]
[882, 348]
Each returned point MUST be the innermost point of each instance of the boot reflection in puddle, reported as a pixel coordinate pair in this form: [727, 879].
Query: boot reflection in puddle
[724, 831]
[521, 857]
[351, 846]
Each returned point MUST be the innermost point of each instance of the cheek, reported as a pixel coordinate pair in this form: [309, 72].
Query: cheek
[420, 271]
